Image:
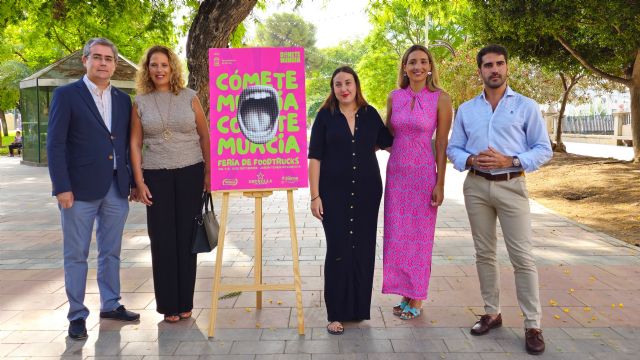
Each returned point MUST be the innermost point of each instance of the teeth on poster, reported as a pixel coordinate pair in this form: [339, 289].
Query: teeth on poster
[257, 119]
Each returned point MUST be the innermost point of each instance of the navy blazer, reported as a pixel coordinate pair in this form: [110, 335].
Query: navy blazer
[80, 148]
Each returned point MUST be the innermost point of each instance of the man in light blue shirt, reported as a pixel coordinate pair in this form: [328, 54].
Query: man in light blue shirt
[498, 136]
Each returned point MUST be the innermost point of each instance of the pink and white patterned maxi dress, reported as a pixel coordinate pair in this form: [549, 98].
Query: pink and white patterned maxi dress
[409, 218]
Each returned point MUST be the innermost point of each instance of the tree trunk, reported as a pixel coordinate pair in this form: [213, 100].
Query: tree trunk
[211, 28]
[559, 147]
[3, 120]
[573, 80]
[635, 119]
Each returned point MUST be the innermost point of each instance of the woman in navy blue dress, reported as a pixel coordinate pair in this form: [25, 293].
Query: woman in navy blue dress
[346, 189]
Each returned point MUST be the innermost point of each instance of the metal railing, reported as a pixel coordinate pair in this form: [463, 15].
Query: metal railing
[589, 124]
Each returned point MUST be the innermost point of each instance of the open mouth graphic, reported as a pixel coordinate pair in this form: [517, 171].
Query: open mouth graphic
[258, 113]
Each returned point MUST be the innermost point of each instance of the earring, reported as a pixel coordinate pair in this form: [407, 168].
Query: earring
[429, 73]
[405, 74]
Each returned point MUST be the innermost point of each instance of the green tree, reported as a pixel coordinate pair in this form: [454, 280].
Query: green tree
[459, 75]
[35, 33]
[288, 29]
[11, 72]
[38, 32]
[398, 24]
[318, 80]
[601, 35]
[213, 24]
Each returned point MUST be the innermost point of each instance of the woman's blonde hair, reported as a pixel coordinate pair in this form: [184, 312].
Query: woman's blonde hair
[432, 80]
[145, 85]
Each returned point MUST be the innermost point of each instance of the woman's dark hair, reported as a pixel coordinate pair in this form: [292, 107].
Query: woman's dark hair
[331, 102]
[492, 49]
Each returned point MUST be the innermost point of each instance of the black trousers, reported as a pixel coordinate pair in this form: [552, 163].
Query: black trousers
[14, 146]
[176, 196]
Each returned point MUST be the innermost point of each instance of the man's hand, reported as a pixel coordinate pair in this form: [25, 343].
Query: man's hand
[65, 199]
[491, 159]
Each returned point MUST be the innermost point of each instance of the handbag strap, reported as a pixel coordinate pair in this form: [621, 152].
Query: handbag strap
[207, 200]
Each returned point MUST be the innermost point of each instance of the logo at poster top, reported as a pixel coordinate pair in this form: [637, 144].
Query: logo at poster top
[260, 180]
[290, 57]
[216, 61]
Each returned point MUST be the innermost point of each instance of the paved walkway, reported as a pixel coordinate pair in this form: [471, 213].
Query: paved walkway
[600, 150]
[590, 288]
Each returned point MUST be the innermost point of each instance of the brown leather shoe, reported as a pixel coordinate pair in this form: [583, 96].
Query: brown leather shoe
[485, 324]
[534, 341]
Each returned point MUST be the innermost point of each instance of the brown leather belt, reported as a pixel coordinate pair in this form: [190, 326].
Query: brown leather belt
[498, 177]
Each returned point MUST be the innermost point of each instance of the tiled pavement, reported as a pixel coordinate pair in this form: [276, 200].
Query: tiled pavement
[590, 288]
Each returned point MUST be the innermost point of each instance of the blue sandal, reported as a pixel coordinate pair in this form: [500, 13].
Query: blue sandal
[398, 309]
[410, 313]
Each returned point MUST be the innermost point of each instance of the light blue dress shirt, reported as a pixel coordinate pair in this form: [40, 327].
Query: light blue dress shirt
[515, 128]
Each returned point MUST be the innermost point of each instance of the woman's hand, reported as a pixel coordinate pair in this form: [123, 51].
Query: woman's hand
[316, 208]
[133, 195]
[437, 196]
[207, 181]
[144, 195]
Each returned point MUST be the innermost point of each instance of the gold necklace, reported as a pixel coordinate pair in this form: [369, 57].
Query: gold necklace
[166, 133]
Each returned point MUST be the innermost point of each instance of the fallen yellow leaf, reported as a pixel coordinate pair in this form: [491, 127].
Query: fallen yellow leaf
[621, 305]
[566, 310]
[613, 306]
[587, 309]
[279, 302]
[247, 309]
[257, 325]
[557, 317]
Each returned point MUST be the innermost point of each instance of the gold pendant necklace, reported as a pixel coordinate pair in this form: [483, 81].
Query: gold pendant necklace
[166, 133]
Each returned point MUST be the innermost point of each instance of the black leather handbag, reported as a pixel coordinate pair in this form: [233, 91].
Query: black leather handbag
[205, 227]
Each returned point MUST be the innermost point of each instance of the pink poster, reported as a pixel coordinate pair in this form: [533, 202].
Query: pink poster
[258, 119]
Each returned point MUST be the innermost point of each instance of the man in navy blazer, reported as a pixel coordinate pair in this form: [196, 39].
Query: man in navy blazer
[87, 148]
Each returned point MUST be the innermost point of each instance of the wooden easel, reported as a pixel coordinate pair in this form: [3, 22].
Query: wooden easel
[258, 286]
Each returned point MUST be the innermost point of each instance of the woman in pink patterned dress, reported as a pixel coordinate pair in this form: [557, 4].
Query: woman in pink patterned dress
[415, 179]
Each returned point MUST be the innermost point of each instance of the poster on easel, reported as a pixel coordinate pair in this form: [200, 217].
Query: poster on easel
[257, 119]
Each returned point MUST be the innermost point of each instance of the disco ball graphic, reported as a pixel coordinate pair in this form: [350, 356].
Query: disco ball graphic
[258, 113]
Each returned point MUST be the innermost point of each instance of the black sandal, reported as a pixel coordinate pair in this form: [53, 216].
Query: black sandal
[335, 332]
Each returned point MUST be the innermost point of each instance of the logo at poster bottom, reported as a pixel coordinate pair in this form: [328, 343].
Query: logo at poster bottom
[289, 179]
[230, 182]
[260, 180]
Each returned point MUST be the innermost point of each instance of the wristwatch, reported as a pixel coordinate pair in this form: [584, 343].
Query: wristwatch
[515, 161]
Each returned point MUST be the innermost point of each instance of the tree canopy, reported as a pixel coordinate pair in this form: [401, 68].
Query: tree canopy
[289, 29]
[38, 32]
[398, 24]
[602, 36]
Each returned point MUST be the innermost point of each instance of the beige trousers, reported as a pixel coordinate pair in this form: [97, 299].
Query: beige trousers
[507, 201]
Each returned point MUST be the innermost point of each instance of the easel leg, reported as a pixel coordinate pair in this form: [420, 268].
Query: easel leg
[218, 270]
[258, 253]
[296, 264]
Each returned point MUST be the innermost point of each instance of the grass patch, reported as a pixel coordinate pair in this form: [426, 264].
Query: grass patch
[5, 141]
